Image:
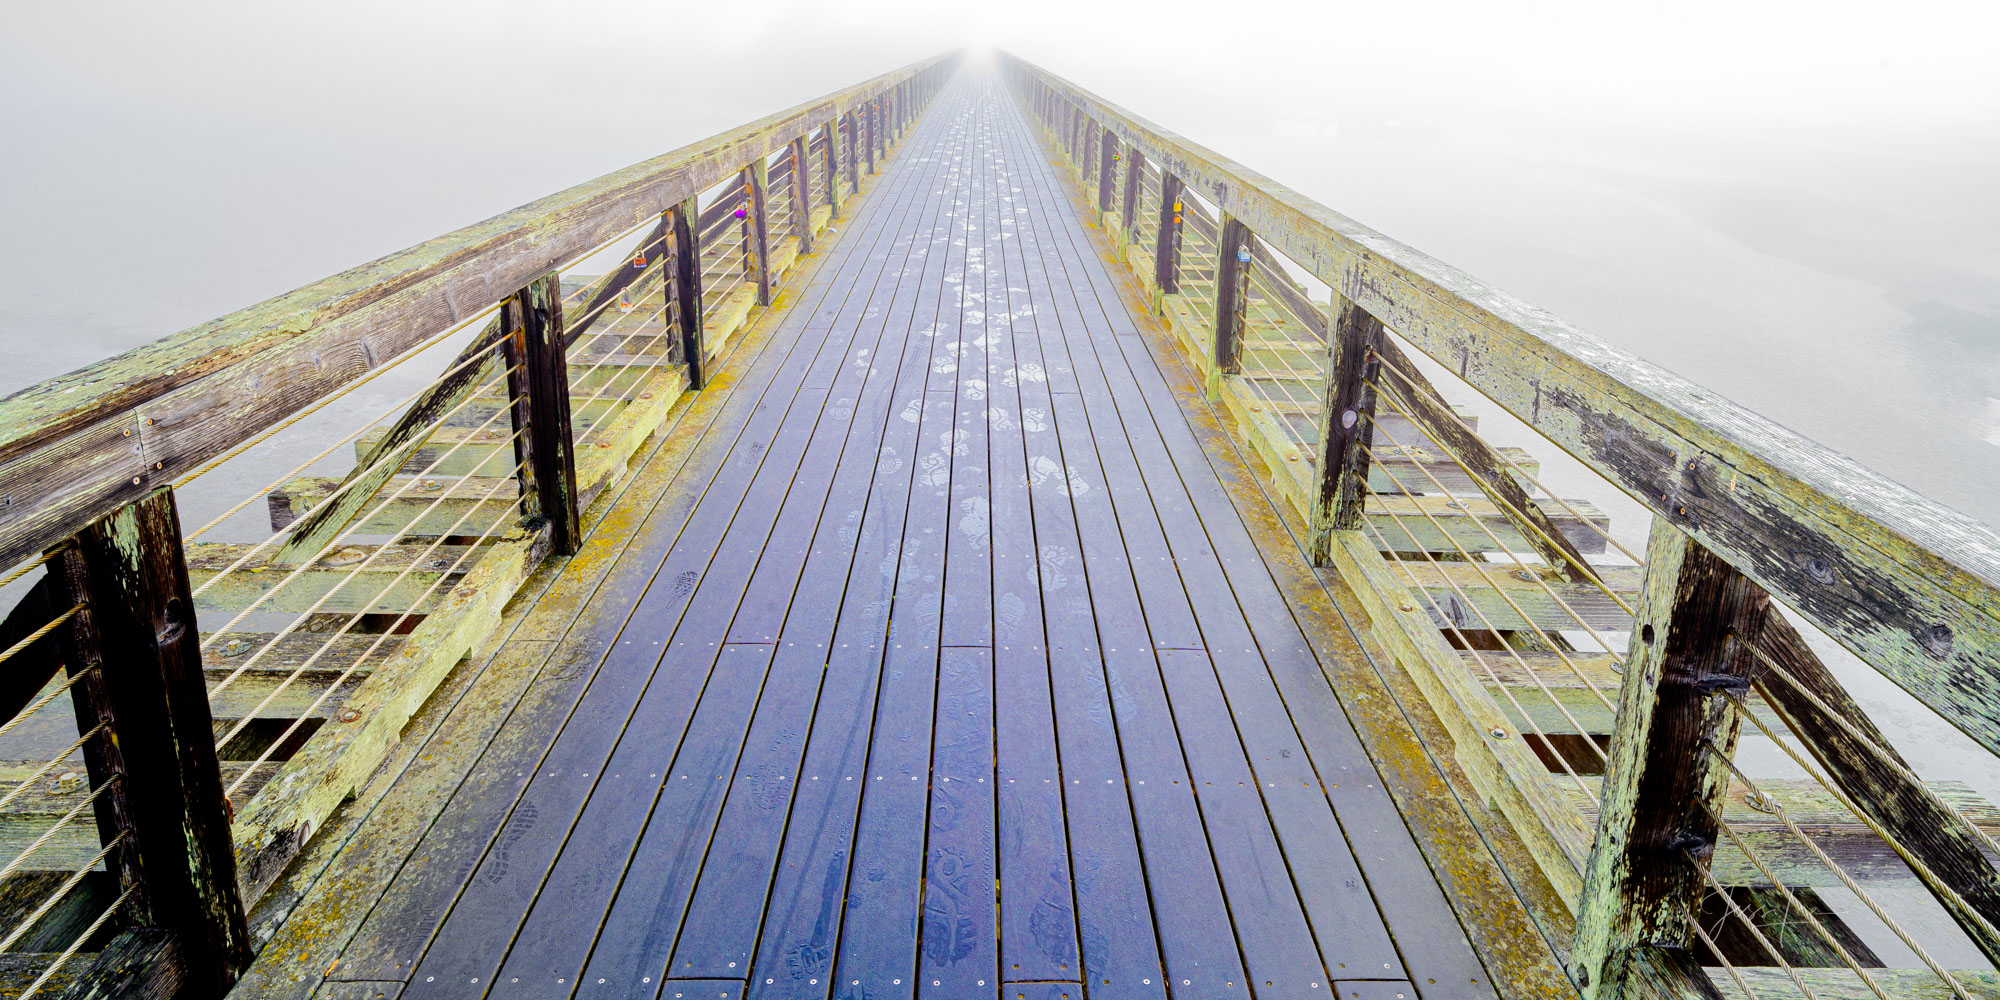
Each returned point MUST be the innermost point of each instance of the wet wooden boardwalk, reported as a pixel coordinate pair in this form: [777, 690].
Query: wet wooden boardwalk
[941, 666]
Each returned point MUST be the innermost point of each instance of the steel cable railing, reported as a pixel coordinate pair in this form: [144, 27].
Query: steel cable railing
[1514, 467]
[35, 988]
[345, 390]
[1764, 868]
[404, 616]
[1523, 569]
[397, 456]
[331, 546]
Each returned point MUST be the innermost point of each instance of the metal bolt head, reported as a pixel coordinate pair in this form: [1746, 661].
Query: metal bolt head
[1497, 733]
[350, 715]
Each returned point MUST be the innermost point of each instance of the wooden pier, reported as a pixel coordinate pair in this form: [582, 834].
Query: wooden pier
[957, 539]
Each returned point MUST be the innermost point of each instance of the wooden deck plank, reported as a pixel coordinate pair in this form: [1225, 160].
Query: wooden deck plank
[1120, 949]
[960, 945]
[800, 941]
[1290, 804]
[1277, 942]
[639, 932]
[1324, 874]
[663, 678]
[644, 921]
[1396, 873]
[1038, 937]
[734, 885]
[404, 921]
[884, 894]
[958, 954]
[1197, 943]
[702, 989]
[961, 366]
[1041, 990]
[658, 865]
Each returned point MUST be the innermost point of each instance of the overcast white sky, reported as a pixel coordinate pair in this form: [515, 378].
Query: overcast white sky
[1793, 203]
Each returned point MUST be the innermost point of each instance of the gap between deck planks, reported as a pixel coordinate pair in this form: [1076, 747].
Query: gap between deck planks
[908, 642]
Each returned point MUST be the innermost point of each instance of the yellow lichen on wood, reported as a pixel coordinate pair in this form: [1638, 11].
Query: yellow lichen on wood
[1504, 770]
[343, 753]
[728, 317]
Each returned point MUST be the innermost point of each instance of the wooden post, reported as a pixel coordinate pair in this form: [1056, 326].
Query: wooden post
[544, 446]
[802, 195]
[1167, 242]
[868, 116]
[881, 125]
[1107, 165]
[847, 139]
[138, 650]
[687, 288]
[1665, 780]
[1087, 156]
[1135, 168]
[826, 139]
[1232, 277]
[756, 238]
[1346, 425]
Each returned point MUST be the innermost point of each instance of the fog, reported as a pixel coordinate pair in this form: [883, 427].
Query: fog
[1792, 204]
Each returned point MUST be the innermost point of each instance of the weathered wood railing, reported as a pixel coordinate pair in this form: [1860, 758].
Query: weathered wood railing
[226, 697]
[1593, 696]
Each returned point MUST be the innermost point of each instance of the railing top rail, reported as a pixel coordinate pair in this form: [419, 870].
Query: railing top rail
[1910, 585]
[73, 445]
